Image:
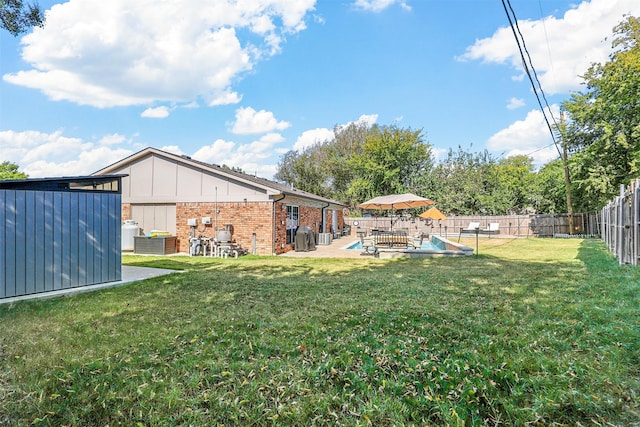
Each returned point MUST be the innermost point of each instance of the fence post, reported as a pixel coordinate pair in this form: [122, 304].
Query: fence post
[635, 218]
[620, 221]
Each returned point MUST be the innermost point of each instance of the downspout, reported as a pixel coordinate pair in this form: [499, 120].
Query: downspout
[273, 230]
[324, 222]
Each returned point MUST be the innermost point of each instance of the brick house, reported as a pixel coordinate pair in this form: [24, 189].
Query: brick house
[161, 191]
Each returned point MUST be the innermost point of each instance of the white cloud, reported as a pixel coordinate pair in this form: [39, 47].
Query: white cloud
[250, 121]
[367, 119]
[248, 157]
[156, 113]
[119, 52]
[515, 103]
[578, 41]
[113, 139]
[380, 5]
[216, 153]
[529, 137]
[173, 149]
[311, 137]
[41, 154]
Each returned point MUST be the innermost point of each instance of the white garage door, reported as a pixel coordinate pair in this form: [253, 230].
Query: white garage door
[155, 217]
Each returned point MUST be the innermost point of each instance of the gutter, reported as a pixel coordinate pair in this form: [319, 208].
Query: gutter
[324, 219]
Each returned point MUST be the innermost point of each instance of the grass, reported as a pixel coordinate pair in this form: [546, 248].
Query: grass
[530, 331]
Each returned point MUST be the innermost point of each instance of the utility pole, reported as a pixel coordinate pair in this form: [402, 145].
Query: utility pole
[567, 175]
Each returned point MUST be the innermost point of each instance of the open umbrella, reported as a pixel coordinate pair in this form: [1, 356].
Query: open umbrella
[396, 202]
[433, 213]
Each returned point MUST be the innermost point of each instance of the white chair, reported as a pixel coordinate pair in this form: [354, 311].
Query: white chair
[473, 227]
[492, 228]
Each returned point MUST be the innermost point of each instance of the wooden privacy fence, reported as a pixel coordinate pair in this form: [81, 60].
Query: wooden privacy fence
[620, 224]
[557, 225]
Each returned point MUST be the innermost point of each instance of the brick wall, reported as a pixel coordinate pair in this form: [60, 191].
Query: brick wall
[126, 211]
[246, 220]
[308, 215]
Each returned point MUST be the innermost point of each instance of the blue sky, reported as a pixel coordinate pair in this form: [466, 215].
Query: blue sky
[242, 83]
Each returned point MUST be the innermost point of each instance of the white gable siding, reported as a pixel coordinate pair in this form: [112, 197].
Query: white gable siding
[155, 179]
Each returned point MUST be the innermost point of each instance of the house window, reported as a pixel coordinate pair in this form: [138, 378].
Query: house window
[292, 223]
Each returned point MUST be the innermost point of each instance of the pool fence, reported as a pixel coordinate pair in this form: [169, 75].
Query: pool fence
[534, 225]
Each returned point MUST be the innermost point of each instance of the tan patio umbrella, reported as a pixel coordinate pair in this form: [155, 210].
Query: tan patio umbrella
[433, 213]
[396, 202]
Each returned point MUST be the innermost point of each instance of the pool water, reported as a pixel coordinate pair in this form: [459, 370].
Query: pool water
[426, 246]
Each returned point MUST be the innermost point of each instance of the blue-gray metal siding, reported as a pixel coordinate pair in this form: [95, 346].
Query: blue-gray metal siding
[55, 240]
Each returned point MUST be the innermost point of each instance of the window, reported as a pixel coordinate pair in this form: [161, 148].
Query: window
[293, 215]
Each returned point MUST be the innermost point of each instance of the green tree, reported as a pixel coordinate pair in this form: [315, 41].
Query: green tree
[516, 180]
[348, 142]
[359, 163]
[10, 170]
[306, 170]
[461, 184]
[18, 17]
[548, 191]
[392, 160]
[603, 130]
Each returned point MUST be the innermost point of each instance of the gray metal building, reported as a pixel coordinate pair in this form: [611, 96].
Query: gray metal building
[59, 233]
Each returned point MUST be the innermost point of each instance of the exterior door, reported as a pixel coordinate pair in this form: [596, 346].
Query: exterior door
[293, 220]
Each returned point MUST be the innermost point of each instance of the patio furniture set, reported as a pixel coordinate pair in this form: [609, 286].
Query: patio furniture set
[388, 239]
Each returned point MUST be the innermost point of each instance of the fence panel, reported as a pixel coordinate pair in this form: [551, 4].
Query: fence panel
[538, 225]
[620, 224]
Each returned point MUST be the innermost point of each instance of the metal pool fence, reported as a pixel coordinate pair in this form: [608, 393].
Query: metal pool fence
[535, 225]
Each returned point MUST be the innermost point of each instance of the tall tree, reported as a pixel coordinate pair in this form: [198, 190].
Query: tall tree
[18, 17]
[347, 143]
[604, 121]
[548, 191]
[10, 170]
[306, 170]
[515, 178]
[461, 183]
[392, 160]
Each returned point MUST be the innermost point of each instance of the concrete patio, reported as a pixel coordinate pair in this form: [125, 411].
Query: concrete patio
[335, 250]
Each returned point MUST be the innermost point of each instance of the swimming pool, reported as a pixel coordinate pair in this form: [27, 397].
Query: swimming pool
[426, 246]
[434, 246]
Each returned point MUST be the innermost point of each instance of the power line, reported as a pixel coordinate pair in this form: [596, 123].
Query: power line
[527, 66]
[563, 152]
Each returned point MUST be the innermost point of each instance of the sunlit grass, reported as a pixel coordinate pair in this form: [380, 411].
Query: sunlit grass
[534, 331]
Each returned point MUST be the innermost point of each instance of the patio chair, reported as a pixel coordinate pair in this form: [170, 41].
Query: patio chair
[368, 245]
[473, 227]
[492, 228]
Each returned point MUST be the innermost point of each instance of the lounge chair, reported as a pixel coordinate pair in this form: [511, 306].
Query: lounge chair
[473, 227]
[492, 228]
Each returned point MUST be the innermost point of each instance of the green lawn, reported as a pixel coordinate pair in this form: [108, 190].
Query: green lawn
[531, 331]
